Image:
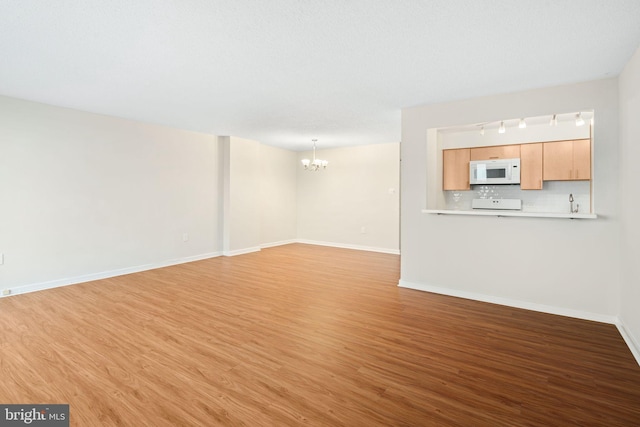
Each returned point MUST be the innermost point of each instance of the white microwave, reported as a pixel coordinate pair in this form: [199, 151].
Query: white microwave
[501, 171]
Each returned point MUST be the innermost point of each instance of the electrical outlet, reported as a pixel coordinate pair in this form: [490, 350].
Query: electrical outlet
[185, 237]
[6, 292]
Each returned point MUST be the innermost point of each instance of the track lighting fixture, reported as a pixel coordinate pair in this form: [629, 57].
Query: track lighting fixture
[532, 123]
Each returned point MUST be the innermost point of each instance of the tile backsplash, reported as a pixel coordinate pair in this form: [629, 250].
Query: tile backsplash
[554, 198]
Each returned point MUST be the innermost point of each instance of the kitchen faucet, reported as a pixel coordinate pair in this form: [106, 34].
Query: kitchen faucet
[571, 205]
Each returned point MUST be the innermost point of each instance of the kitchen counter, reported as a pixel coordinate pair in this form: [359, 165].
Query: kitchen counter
[488, 212]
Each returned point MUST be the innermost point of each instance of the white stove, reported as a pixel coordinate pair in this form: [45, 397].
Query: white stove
[497, 204]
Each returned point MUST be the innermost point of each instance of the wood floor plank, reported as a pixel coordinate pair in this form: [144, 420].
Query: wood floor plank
[306, 335]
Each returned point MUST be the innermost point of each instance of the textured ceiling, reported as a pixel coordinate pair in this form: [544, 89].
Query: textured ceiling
[286, 71]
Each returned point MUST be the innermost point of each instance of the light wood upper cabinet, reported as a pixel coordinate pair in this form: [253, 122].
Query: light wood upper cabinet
[582, 159]
[567, 160]
[531, 166]
[542, 161]
[495, 152]
[455, 169]
[558, 160]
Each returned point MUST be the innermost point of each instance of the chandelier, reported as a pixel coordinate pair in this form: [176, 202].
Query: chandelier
[315, 164]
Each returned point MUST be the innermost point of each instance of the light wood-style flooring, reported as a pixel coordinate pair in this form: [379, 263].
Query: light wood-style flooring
[306, 335]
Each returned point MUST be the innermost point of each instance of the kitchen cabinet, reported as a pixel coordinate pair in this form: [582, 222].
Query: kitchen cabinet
[531, 166]
[495, 152]
[567, 160]
[582, 159]
[455, 169]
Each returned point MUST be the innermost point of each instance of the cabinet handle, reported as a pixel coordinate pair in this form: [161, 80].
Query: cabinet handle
[541, 184]
[577, 173]
[494, 157]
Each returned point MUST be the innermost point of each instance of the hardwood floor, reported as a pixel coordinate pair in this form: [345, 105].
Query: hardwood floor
[306, 335]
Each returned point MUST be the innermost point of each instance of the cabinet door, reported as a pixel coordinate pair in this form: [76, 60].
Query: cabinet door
[455, 169]
[496, 152]
[582, 159]
[531, 166]
[557, 161]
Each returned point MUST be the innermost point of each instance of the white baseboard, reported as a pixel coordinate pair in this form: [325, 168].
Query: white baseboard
[241, 251]
[105, 274]
[348, 246]
[280, 243]
[578, 314]
[633, 345]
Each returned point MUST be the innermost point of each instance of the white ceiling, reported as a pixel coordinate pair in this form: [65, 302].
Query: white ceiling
[286, 71]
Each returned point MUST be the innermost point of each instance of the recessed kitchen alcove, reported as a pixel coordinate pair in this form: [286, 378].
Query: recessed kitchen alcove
[568, 196]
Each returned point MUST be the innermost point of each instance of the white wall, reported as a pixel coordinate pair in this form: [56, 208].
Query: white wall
[278, 187]
[84, 194]
[630, 200]
[241, 195]
[359, 189]
[567, 266]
